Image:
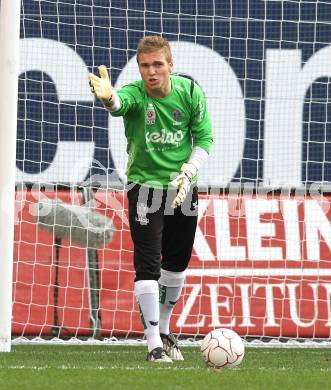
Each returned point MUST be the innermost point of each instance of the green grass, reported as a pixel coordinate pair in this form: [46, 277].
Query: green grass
[124, 367]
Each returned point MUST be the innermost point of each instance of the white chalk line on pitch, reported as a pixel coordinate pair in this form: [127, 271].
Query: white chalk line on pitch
[160, 368]
[99, 368]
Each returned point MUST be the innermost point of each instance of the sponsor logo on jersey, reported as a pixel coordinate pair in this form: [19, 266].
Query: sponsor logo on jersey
[150, 114]
[165, 137]
[201, 111]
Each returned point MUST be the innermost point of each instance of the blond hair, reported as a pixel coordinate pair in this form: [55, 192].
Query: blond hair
[153, 43]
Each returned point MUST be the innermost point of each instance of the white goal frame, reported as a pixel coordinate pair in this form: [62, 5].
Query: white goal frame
[261, 260]
[9, 44]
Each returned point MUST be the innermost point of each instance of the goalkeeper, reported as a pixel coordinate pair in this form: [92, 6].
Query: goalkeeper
[169, 137]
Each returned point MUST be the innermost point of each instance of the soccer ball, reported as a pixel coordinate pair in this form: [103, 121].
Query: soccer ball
[222, 348]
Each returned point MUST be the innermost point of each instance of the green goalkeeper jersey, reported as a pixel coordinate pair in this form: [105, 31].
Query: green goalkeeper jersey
[162, 132]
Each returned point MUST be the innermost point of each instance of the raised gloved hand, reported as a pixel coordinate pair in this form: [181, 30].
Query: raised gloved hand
[183, 182]
[101, 86]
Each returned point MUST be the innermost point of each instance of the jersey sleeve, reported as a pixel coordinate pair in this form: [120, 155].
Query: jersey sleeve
[130, 96]
[201, 127]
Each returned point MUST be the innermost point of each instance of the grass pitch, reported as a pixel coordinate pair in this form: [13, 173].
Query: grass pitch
[124, 367]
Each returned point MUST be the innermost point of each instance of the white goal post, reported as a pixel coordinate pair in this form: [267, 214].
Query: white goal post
[261, 260]
[9, 44]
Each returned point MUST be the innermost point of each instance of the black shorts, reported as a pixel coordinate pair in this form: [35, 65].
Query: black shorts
[159, 232]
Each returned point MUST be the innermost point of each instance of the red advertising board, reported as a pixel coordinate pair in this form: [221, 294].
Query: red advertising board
[261, 265]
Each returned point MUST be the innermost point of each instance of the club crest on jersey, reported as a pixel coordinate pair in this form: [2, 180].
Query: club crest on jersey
[176, 115]
[150, 114]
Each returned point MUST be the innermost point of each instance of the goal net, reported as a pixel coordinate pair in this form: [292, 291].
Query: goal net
[261, 260]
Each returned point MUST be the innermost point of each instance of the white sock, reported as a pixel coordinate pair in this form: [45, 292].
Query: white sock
[147, 296]
[170, 286]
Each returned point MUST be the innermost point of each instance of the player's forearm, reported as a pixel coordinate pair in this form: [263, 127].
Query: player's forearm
[198, 157]
[114, 103]
[203, 138]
